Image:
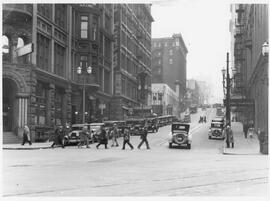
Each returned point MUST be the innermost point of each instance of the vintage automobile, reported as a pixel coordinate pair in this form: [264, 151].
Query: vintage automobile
[152, 124]
[74, 136]
[136, 126]
[216, 130]
[95, 129]
[180, 135]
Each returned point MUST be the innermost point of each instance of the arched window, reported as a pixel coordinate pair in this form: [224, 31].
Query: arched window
[20, 43]
[5, 42]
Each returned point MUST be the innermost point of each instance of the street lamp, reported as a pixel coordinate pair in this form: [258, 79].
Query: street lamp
[84, 73]
[226, 76]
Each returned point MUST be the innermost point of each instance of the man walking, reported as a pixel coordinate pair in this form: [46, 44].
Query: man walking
[26, 135]
[144, 138]
[103, 139]
[229, 136]
[126, 139]
[84, 138]
[59, 137]
[245, 128]
[114, 133]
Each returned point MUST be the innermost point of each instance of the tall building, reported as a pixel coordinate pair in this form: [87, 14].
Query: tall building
[43, 46]
[169, 63]
[131, 58]
[250, 33]
[165, 101]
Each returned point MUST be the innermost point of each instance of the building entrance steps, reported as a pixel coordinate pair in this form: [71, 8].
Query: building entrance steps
[242, 145]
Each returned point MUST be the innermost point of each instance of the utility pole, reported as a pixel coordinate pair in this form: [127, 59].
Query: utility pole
[228, 110]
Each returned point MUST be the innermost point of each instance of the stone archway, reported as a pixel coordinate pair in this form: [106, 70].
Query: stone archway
[15, 101]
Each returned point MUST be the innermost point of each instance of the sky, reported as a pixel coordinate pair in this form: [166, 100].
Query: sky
[204, 26]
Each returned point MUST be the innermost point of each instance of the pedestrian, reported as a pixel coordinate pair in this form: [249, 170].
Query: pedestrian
[84, 138]
[26, 135]
[114, 134]
[245, 128]
[59, 136]
[126, 139]
[103, 138]
[229, 136]
[144, 138]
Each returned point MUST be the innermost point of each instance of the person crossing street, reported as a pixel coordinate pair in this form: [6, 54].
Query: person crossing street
[103, 138]
[229, 136]
[126, 139]
[114, 133]
[84, 138]
[144, 138]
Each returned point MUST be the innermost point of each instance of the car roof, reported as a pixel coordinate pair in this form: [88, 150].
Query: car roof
[75, 125]
[96, 124]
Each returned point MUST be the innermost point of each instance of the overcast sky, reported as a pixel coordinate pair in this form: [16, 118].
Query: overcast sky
[204, 26]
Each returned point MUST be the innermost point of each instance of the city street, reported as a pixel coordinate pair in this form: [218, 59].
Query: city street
[201, 171]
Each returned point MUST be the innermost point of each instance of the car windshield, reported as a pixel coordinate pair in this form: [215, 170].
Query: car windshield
[77, 128]
[181, 127]
[95, 127]
[216, 125]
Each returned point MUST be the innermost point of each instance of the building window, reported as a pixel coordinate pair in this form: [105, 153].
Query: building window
[170, 52]
[123, 86]
[60, 15]
[84, 61]
[45, 10]
[107, 82]
[95, 26]
[154, 44]
[159, 61]
[84, 27]
[177, 42]
[170, 61]
[165, 44]
[43, 52]
[20, 43]
[107, 48]
[40, 117]
[58, 104]
[59, 60]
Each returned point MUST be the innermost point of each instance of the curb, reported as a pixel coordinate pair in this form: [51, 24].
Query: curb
[29, 148]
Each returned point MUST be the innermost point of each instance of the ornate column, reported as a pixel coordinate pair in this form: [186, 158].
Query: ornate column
[51, 107]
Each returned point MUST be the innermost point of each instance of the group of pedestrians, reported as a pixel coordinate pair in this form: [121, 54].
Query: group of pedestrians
[202, 119]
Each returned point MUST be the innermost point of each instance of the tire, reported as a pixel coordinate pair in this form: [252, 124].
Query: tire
[189, 146]
[209, 137]
[170, 145]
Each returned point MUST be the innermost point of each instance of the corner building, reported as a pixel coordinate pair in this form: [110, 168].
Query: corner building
[131, 58]
[42, 88]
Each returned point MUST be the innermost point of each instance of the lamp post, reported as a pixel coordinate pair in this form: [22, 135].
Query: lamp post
[226, 76]
[84, 73]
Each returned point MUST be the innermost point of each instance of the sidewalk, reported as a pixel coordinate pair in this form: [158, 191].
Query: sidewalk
[242, 145]
[41, 145]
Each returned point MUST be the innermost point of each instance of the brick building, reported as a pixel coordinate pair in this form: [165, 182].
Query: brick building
[169, 63]
[249, 28]
[42, 88]
[131, 58]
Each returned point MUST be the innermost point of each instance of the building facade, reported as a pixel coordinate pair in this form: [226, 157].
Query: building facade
[250, 31]
[165, 101]
[169, 63]
[131, 58]
[41, 87]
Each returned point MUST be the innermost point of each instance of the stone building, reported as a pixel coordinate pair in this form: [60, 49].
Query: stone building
[131, 58]
[43, 44]
[169, 63]
[249, 27]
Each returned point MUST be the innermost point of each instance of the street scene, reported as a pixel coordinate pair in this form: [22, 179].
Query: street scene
[160, 171]
[160, 98]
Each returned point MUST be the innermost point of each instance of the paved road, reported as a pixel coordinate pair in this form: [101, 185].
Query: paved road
[160, 171]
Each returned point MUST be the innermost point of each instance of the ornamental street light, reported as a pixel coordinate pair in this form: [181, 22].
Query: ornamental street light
[81, 71]
[226, 76]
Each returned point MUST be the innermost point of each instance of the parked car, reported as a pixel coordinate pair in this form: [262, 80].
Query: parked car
[74, 136]
[216, 130]
[152, 124]
[180, 135]
[136, 126]
[95, 129]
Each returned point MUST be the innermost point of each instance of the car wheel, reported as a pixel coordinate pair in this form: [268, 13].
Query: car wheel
[170, 145]
[209, 137]
[189, 146]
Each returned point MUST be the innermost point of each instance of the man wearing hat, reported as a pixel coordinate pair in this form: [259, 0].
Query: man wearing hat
[114, 133]
[229, 136]
[126, 139]
[144, 138]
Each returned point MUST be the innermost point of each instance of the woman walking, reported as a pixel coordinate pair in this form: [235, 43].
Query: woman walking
[26, 135]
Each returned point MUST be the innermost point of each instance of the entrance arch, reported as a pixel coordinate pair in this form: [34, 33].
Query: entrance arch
[10, 104]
